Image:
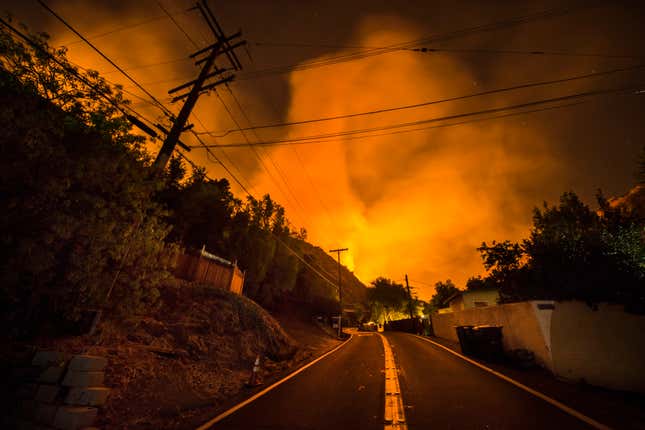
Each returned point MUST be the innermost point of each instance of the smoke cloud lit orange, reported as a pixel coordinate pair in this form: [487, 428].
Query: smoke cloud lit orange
[416, 203]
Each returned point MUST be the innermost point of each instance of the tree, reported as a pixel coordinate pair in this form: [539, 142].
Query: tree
[443, 290]
[573, 253]
[78, 221]
[475, 283]
[386, 298]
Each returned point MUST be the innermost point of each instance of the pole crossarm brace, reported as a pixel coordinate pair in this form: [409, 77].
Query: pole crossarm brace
[227, 49]
[188, 84]
[205, 88]
[199, 85]
[339, 250]
[215, 45]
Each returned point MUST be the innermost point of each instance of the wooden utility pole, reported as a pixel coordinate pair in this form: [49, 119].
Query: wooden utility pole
[409, 296]
[340, 290]
[221, 46]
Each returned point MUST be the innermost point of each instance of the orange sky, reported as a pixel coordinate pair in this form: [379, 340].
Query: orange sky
[416, 203]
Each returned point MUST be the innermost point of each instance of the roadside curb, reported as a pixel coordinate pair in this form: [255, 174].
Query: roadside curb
[261, 393]
[579, 415]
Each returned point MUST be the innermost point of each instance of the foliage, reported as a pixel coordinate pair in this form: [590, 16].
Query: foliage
[77, 219]
[387, 298]
[443, 290]
[82, 94]
[82, 218]
[204, 212]
[573, 253]
[475, 283]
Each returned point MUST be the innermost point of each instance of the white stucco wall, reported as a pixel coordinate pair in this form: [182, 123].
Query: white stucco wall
[522, 327]
[605, 347]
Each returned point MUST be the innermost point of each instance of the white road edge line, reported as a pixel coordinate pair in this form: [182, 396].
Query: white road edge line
[240, 405]
[394, 416]
[582, 417]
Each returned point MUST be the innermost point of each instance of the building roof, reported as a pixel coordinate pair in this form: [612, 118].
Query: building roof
[462, 292]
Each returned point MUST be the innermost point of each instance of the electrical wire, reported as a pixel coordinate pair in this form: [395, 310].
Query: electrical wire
[450, 117]
[120, 29]
[398, 47]
[434, 102]
[98, 51]
[209, 153]
[367, 52]
[426, 49]
[273, 162]
[68, 68]
[452, 124]
[329, 217]
[114, 103]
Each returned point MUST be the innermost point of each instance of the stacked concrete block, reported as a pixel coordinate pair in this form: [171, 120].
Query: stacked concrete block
[62, 392]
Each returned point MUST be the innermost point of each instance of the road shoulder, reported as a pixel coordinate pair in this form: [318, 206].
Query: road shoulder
[616, 409]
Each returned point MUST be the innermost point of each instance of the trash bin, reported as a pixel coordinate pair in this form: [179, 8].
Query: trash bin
[465, 336]
[488, 342]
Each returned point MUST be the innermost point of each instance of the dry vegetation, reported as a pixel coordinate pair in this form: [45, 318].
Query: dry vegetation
[192, 356]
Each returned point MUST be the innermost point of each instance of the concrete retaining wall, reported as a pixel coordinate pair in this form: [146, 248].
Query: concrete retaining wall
[605, 347]
[524, 324]
[58, 391]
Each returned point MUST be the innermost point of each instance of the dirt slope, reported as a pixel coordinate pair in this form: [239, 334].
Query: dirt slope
[175, 367]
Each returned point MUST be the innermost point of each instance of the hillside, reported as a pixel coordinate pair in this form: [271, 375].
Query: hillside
[175, 366]
[354, 292]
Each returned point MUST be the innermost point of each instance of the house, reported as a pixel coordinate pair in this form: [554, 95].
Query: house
[471, 299]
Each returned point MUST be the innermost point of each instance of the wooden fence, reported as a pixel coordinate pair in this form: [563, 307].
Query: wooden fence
[209, 269]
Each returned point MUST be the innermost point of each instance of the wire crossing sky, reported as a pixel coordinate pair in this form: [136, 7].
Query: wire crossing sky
[436, 127]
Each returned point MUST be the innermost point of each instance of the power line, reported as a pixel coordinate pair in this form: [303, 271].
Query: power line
[398, 47]
[449, 117]
[68, 68]
[209, 153]
[148, 65]
[252, 146]
[174, 21]
[433, 102]
[219, 35]
[121, 28]
[316, 192]
[98, 51]
[114, 103]
[426, 49]
[313, 269]
[367, 52]
[275, 165]
[452, 124]
[230, 161]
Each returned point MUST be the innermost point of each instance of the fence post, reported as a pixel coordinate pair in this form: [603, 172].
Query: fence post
[232, 277]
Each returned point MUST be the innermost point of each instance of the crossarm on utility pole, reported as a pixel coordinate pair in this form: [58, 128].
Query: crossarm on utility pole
[178, 125]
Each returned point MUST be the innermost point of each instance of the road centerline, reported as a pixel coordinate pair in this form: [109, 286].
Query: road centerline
[394, 416]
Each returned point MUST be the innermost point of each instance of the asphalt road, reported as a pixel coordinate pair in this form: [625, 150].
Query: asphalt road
[442, 391]
[345, 390]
